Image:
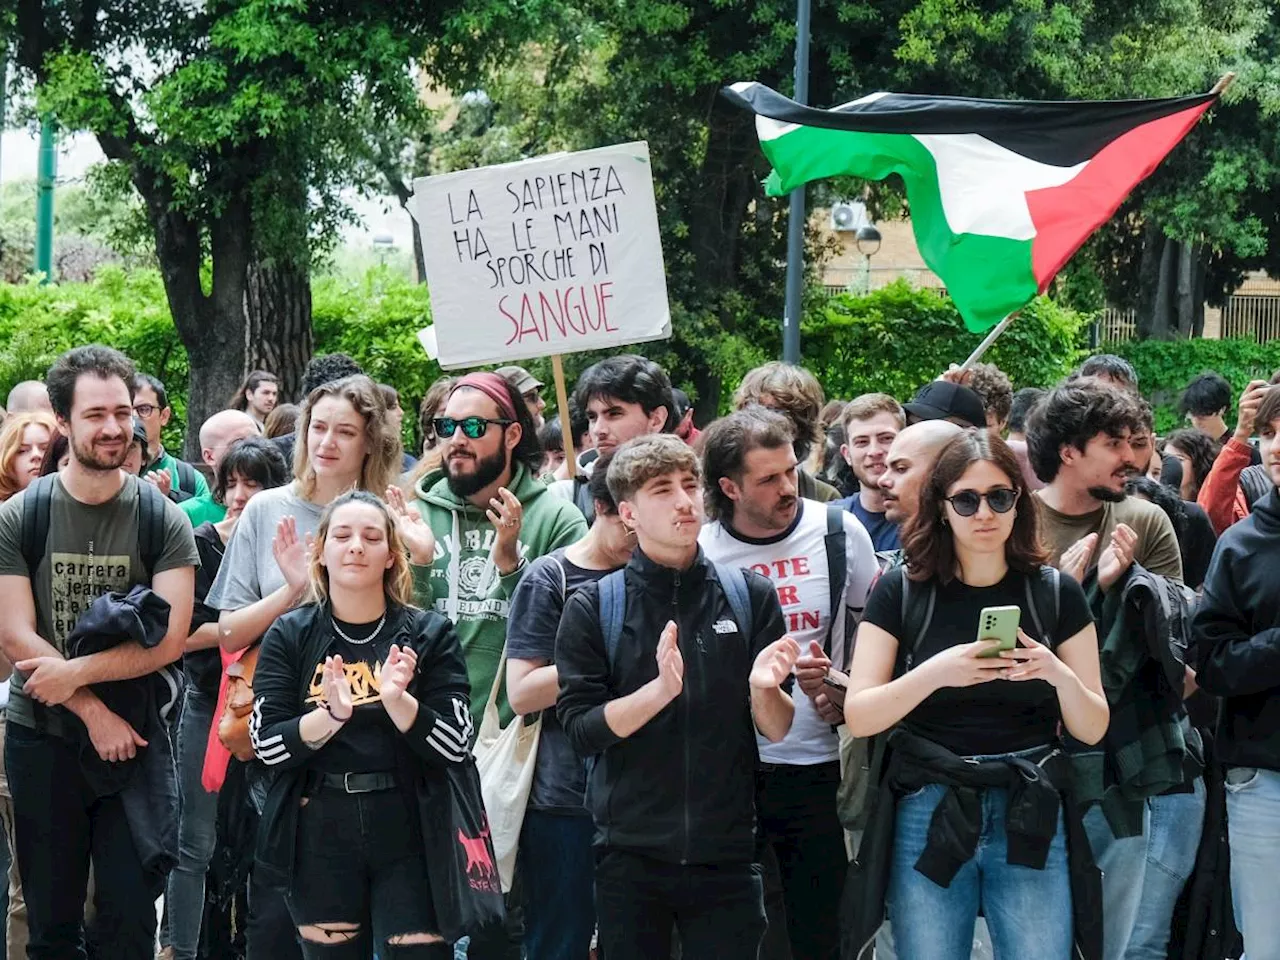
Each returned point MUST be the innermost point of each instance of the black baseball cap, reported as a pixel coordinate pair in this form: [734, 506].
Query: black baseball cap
[943, 400]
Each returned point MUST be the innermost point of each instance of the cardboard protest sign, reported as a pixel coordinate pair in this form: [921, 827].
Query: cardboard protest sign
[545, 256]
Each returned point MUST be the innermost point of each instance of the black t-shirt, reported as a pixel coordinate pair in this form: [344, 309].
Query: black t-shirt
[559, 776]
[367, 742]
[997, 717]
[204, 667]
[1196, 542]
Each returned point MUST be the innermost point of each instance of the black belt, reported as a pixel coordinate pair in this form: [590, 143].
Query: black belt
[357, 782]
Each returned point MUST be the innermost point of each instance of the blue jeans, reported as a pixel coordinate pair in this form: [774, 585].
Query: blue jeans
[557, 867]
[1123, 862]
[197, 830]
[1173, 826]
[1028, 911]
[1253, 829]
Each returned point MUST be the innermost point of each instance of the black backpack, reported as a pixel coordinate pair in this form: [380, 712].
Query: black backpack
[37, 501]
[186, 477]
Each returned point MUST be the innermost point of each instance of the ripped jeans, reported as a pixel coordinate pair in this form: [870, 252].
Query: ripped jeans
[361, 876]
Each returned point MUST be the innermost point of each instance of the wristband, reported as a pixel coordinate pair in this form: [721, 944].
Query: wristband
[329, 710]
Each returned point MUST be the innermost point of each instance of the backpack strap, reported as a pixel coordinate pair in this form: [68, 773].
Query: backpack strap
[186, 476]
[733, 581]
[837, 567]
[37, 501]
[918, 601]
[150, 526]
[613, 603]
[564, 579]
[1045, 592]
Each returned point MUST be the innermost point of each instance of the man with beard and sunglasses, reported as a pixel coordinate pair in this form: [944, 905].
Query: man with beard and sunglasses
[71, 759]
[821, 562]
[1085, 439]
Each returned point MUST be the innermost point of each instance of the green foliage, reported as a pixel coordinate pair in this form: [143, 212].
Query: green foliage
[898, 338]
[1165, 366]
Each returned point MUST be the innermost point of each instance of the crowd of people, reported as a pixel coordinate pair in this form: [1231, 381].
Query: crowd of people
[817, 679]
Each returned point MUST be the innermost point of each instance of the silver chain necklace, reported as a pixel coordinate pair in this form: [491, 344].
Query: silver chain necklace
[369, 639]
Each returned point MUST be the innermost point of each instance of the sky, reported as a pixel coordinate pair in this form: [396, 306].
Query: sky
[19, 154]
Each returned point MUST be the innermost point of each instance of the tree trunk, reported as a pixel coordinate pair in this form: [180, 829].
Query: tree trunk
[278, 331]
[1170, 287]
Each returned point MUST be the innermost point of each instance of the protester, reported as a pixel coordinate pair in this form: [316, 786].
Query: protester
[257, 396]
[685, 428]
[395, 420]
[1235, 483]
[530, 389]
[343, 442]
[177, 480]
[58, 454]
[623, 397]
[1019, 408]
[135, 460]
[971, 725]
[822, 563]
[1236, 659]
[358, 696]
[870, 424]
[217, 434]
[29, 396]
[794, 393]
[556, 858]
[23, 441]
[1196, 537]
[943, 400]
[1110, 369]
[68, 805]
[432, 406]
[281, 421]
[1081, 443]
[1205, 402]
[245, 469]
[1195, 451]
[321, 370]
[551, 440]
[995, 390]
[672, 791]
[910, 459]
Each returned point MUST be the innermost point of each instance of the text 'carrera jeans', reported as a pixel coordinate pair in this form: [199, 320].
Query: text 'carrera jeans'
[1028, 911]
[1253, 830]
[60, 824]
[197, 830]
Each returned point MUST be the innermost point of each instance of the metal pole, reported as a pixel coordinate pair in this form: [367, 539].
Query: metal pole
[48, 172]
[796, 214]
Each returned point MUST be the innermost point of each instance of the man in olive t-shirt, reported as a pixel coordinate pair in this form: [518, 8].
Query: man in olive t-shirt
[61, 818]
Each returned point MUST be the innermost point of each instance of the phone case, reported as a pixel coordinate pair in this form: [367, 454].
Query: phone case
[1001, 623]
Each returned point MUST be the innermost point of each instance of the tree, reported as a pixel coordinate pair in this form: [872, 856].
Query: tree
[237, 122]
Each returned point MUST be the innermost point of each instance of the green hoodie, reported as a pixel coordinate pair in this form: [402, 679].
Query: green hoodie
[479, 605]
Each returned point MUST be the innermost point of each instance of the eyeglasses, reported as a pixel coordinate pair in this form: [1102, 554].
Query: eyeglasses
[967, 502]
[472, 427]
[145, 410]
[532, 396]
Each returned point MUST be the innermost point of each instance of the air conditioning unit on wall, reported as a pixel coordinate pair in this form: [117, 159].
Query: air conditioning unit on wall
[848, 215]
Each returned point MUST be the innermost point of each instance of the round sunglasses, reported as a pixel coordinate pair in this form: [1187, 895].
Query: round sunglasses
[966, 502]
[472, 427]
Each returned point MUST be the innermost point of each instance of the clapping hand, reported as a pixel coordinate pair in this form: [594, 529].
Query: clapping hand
[670, 663]
[414, 531]
[774, 664]
[397, 674]
[1118, 556]
[506, 516]
[1075, 559]
[337, 689]
[293, 554]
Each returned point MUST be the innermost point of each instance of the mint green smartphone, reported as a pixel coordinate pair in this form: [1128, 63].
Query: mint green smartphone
[1000, 623]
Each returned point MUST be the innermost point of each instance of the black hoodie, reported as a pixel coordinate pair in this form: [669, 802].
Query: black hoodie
[682, 787]
[1236, 632]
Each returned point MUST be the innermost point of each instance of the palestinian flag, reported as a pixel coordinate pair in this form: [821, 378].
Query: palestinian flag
[1002, 192]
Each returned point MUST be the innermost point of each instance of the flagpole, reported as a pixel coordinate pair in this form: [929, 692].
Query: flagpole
[990, 338]
[796, 215]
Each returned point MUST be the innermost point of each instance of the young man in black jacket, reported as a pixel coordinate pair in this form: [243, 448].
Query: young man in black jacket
[1237, 637]
[655, 665]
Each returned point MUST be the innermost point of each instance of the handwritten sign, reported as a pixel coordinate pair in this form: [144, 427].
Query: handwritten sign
[545, 256]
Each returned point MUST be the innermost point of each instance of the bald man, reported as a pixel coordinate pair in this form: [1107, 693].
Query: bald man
[29, 396]
[217, 434]
[911, 456]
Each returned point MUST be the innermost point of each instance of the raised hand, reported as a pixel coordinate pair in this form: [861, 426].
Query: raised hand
[1250, 401]
[161, 480]
[397, 673]
[670, 663]
[413, 530]
[293, 554]
[1075, 559]
[1118, 556]
[774, 664]
[811, 668]
[337, 688]
[506, 516]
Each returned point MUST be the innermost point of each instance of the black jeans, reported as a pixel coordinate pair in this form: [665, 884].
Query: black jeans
[60, 823]
[361, 861]
[796, 807]
[718, 909]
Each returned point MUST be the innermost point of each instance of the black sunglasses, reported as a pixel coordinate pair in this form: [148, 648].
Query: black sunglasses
[967, 502]
[472, 427]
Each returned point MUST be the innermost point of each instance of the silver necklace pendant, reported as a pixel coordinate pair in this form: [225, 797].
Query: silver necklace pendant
[369, 639]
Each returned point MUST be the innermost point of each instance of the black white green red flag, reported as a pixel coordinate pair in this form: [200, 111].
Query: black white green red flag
[1002, 192]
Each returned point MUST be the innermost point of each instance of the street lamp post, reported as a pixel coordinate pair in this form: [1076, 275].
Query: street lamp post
[867, 240]
[795, 216]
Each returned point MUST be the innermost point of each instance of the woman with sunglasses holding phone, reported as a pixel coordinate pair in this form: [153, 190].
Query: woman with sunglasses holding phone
[972, 769]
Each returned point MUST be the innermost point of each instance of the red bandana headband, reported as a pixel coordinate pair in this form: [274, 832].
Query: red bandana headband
[493, 387]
